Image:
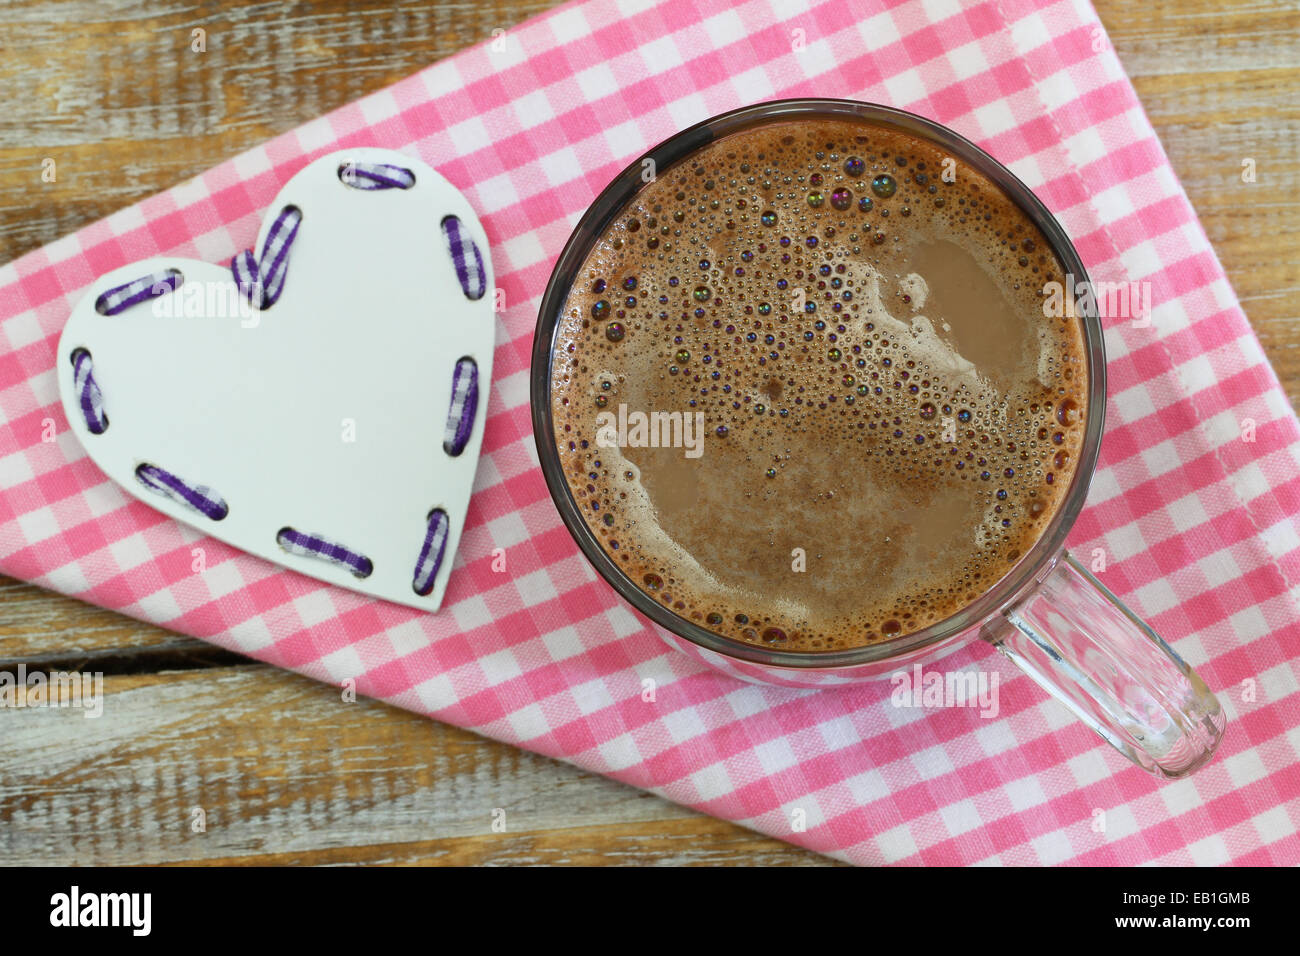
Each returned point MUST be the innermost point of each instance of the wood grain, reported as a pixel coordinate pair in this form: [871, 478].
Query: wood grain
[1219, 83]
[285, 771]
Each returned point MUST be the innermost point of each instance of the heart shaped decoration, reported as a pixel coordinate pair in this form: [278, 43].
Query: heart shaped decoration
[319, 403]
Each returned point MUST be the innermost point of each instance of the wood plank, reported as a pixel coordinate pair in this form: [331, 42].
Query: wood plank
[119, 134]
[1219, 83]
[693, 841]
[39, 626]
[286, 771]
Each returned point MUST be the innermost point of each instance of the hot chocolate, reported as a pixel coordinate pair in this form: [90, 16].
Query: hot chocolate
[805, 391]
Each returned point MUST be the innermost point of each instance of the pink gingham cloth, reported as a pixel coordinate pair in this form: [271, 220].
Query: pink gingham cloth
[1198, 525]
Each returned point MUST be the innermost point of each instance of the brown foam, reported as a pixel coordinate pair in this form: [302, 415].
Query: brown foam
[944, 317]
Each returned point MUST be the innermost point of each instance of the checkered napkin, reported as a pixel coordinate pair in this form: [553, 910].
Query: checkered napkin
[1198, 525]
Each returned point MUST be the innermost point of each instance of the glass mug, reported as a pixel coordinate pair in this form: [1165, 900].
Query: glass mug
[1048, 614]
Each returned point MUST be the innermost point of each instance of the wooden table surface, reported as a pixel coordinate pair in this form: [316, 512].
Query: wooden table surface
[284, 774]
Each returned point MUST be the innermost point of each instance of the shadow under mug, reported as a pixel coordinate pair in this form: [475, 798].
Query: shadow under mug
[1048, 614]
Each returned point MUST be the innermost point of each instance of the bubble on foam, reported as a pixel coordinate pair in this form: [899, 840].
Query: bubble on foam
[916, 288]
[946, 360]
[1045, 356]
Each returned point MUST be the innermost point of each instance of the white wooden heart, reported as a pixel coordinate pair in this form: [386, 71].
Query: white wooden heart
[325, 412]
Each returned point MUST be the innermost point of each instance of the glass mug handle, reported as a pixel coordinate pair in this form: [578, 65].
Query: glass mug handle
[1085, 648]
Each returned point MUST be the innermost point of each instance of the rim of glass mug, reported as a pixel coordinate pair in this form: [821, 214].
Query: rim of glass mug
[1030, 568]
